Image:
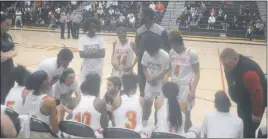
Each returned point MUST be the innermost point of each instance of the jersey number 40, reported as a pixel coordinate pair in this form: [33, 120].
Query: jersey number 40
[84, 118]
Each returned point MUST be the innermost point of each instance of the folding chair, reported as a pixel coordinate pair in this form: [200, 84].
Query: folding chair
[165, 135]
[76, 129]
[12, 115]
[40, 126]
[119, 133]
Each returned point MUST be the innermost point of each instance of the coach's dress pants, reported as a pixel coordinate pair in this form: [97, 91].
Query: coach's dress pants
[250, 126]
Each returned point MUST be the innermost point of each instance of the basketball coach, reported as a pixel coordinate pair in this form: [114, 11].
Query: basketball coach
[247, 87]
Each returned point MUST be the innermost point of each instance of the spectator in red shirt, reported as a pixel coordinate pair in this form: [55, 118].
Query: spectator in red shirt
[212, 12]
[247, 87]
[159, 8]
[249, 30]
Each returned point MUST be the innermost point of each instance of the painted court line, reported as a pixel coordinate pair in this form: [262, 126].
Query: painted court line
[221, 70]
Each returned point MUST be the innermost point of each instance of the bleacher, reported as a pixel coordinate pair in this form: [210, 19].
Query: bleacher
[231, 10]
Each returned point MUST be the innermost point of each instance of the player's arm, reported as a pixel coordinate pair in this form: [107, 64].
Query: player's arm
[112, 59]
[77, 92]
[134, 48]
[164, 36]
[165, 72]
[144, 66]
[24, 93]
[104, 117]
[91, 54]
[196, 69]
[50, 105]
[252, 82]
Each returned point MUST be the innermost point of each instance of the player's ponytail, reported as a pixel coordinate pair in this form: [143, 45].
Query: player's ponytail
[171, 91]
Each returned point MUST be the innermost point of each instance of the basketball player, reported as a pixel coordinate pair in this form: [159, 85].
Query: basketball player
[155, 63]
[64, 88]
[91, 110]
[55, 66]
[38, 103]
[124, 50]
[184, 71]
[113, 90]
[170, 112]
[91, 48]
[128, 107]
[222, 124]
[14, 97]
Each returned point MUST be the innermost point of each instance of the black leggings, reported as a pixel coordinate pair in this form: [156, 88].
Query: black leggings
[6, 85]
[142, 79]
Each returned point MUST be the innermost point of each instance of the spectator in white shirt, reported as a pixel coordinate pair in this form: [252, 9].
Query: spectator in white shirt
[18, 17]
[122, 18]
[211, 22]
[222, 124]
[152, 6]
[131, 19]
[111, 11]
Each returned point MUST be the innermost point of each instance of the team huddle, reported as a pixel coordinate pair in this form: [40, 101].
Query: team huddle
[47, 93]
[167, 80]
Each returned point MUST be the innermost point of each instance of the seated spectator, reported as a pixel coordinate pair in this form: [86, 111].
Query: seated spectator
[212, 12]
[222, 124]
[152, 6]
[159, 8]
[235, 23]
[259, 27]
[211, 22]
[241, 10]
[132, 20]
[225, 24]
[220, 15]
[249, 31]
[111, 11]
[117, 12]
[121, 18]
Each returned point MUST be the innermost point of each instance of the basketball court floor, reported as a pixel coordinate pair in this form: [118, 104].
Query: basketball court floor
[34, 47]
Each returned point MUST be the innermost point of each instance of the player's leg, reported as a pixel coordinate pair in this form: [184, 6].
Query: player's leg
[147, 110]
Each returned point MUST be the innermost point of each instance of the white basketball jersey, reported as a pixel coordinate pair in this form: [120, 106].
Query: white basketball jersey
[181, 66]
[123, 56]
[86, 113]
[14, 99]
[32, 106]
[129, 113]
[163, 124]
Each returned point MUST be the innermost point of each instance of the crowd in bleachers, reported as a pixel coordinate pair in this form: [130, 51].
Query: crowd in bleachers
[192, 13]
[219, 17]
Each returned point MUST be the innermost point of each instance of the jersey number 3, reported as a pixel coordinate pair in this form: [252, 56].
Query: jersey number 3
[177, 70]
[84, 118]
[10, 104]
[131, 117]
